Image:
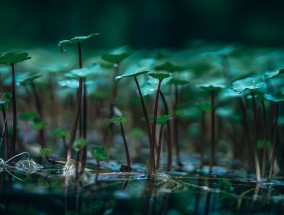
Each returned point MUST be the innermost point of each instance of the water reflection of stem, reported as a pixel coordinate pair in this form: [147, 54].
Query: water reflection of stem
[97, 172]
[212, 158]
[242, 196]
[264, 140]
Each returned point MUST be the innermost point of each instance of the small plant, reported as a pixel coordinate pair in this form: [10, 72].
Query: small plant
[100, 154]
[212, 88]
[64, 134]
[82, 92]
[4, 101]
[121, 120]
[275, 99]
[11, 59]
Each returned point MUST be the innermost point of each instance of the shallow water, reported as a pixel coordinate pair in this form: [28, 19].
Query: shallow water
[49, 192]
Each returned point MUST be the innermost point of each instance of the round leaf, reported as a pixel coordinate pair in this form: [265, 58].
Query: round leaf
[27, 116]
[76, 39]
[46, 151]
[13, 57]
[211, 87]
[160, 75]
[274, 98]
[129, 75]
[119, 120]
[116, 58]
[169, 67]
[250, 83]
[79, 143]
[60, 132]
[99, 153]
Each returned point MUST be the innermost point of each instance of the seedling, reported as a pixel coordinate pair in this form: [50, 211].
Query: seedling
[79, 144]
[121, 120]
[160, 76]
[64, 134]
[212, 88]
[161, 120]
[276, 99]
[4, 101]
[81, 90]
[11, 59]
[251, 84]
[100, 154]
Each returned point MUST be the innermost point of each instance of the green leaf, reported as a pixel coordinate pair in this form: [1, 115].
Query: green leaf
[84, 72]
[225, 185]
[40, 125]
[260, 144]
[73, 40]
[161, 120]
[30, 78]
[116, 58]
[5, 99]
[13, 57]
[79, 143]
[29, 115]
[46, 151]
[129, 75]
[250, 83]
[212, 87]
[160, 75]
[150, 86]
[274, 74]
[119, 120]
[204, 106]
[60, 132]
[99, 153]
[176, 81]
[169, 67]
[274, 98]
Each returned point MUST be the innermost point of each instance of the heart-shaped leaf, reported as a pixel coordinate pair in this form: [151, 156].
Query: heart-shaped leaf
[99, 153]
[250, 83]
[129, 75]
[73, 40]
[13, 57]
[119, 120]
[40, 125]
[116, 58]
[176, 81]
[169, 67]
[79, 143]
[29, 116]
[160, 75]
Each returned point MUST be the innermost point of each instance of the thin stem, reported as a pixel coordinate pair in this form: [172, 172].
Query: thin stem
[159, 147]
[256, 159]
[97, 172]
[80, 55]
[169, 140]
[14, 134]
[274, 142]
[125, 146]
[212, 131]
[6, 131]
[151, 168]
[84, 150]
[202, 129]
[175, 120]
[264, 140]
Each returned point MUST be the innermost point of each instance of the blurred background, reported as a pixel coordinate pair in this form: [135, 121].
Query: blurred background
[142, 23]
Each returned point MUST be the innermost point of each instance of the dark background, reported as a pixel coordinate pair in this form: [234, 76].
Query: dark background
[142, 23]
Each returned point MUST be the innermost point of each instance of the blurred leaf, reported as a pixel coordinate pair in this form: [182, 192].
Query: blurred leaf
[274, 73]
[169, 67]
[5, 100]
[13, 57]
[176, 81]
[73, 40]
[29, 115]
[79, 143]
[60, 132]
[46, 151]
[119, 120]
[150, 86]
[116, 58]
[84, 72]
[212, 87]
[250, 83]
[260, 144]
[160, 75]
[204, 106]
[30, 78]
[99, 153]
[40, 125]
[225, 185]
[133, 74]
[161, 120]
[274, 98]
